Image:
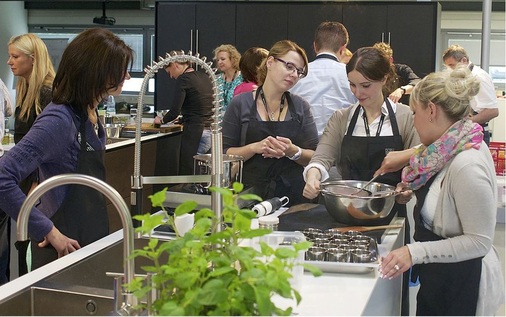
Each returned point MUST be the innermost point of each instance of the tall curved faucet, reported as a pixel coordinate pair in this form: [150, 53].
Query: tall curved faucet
[109, 192]
[216, 137]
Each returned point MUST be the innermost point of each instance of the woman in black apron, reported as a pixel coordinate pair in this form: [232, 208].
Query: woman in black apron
[453, 176]
[359, 137]
[68, 138]
[83, 213]
[273, 130]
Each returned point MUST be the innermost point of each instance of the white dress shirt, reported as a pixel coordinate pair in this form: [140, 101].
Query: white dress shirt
[325, 88]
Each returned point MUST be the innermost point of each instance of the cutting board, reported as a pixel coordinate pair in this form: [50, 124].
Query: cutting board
[148, 127]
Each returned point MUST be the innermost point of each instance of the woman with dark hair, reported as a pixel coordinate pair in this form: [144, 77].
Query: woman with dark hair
[357, 138]
[272, 129]
[249, 63]
[67, 137]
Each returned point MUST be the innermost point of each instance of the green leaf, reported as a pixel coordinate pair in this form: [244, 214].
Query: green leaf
[255, 233]
[238, 187]
[302, 246]
[185, 207]
[213, 293]
[157, 199]
[250, 197]
[221, 271]
[171, 309]
[313, 269]
[285, 253]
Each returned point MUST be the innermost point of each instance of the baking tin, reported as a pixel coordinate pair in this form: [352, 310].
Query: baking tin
[350, 253]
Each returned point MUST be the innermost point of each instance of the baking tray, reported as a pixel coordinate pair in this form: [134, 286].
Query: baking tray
[350, 267]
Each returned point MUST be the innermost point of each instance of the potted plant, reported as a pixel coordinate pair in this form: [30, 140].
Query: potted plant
[212, 272]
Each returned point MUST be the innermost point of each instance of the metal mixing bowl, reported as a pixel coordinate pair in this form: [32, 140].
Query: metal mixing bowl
[347, 206]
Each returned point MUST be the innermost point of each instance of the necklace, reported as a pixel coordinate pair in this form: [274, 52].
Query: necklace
[270, 114]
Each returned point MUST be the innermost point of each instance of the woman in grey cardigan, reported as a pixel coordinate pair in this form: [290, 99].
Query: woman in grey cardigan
[453, 177]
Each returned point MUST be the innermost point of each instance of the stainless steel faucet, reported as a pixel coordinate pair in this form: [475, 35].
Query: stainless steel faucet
[129, 300]
[137, 179]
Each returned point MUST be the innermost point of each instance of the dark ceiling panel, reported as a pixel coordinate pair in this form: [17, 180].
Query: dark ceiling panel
[497, 5]
[82, 5]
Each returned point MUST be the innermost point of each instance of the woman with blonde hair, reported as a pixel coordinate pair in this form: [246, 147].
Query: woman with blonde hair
[273, 129]
[453, 177]
[227, 59]
[29, 61]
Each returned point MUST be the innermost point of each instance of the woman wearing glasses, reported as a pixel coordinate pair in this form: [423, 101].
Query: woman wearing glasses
[272, 129]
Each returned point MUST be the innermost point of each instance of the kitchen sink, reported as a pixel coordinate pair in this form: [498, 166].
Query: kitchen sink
[42, 301]
[82, 288]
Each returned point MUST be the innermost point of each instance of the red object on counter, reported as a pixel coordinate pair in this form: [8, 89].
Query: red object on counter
[497, 150]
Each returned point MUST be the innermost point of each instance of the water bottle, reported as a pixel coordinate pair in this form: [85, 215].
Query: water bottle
[110, 106]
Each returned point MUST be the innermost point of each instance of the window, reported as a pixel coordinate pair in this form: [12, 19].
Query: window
[471, 42]
[140, 39]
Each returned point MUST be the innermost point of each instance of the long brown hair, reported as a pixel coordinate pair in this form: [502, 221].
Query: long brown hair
[28, 92]
[93, 63]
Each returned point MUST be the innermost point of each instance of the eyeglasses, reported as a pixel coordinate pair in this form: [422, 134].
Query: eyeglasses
[301, 73]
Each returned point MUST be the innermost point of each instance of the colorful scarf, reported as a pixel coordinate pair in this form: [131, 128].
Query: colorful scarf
[427, 161]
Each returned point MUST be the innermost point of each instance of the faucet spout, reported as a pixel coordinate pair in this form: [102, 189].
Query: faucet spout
[109, 192]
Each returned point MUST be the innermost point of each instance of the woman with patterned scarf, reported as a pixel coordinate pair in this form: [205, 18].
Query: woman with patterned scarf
[453, 177]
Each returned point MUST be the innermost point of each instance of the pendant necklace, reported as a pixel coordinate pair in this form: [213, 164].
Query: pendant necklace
[270, 114]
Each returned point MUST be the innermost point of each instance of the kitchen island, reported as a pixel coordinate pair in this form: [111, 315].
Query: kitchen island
[354, 294]
[329, 294]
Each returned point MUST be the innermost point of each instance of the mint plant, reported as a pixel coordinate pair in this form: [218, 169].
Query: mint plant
[208, 271]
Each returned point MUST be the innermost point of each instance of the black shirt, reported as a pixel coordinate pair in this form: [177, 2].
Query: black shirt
[193, 99]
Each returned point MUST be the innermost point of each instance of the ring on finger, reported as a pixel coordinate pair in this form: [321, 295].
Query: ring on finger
[396, 267]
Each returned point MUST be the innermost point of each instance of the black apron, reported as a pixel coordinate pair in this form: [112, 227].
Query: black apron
[273, 177]
[446, 289]
[83, 214]
[360, 158]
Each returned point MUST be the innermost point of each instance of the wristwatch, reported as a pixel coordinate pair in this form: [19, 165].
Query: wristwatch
[297, 155]
[403, 90]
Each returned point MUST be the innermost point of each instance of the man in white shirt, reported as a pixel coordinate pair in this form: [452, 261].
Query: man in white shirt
[326, 86]
[484, 104]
